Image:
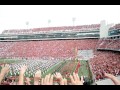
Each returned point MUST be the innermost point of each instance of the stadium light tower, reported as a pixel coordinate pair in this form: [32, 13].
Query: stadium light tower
[49, 21]
[73, 19]
[27, 23]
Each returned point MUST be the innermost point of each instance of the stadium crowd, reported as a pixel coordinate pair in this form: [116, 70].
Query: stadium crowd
[107, 43]
[40, 49]
[105, 62]
[49, 53]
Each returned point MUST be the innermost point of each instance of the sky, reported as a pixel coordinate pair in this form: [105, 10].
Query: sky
[16, 16]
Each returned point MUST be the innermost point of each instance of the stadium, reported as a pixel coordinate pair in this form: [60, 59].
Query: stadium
[89, 50]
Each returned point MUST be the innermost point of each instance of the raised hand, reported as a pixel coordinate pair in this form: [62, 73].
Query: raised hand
[21, 76]
[37, 77]
[108, 75]
[113, 78]
[48, 80]
[59, 76]
[23, 69]
[75, 80]
[5, 69]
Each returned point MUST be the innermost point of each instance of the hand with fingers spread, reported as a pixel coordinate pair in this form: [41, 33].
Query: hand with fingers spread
[48, 80]
[63, 81]
[113, 78]
[75, 80]
[58, 76]
[23, 69]
[4, 70]
[37, 77]
[21, 76]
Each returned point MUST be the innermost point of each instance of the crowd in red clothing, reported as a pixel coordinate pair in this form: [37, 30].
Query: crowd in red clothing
[105, 62]
[39, 49]
[102, 61]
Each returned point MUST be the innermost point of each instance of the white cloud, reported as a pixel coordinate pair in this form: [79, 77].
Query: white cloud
[15, 16]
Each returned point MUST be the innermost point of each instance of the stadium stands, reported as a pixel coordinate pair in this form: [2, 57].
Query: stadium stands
[40, 49]
[116, 26]
[105, 62]
[52, 29]
[112, 44]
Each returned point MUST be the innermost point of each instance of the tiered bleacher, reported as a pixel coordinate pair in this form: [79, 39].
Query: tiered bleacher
[112, 44]
[40, 49]
[105, 62]
[53, 29]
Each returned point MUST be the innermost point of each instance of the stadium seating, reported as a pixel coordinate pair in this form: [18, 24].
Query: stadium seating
[47, 29]
[108, 43]
[117, 26]
[113, 44]
[105, 62]
[43, 49]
